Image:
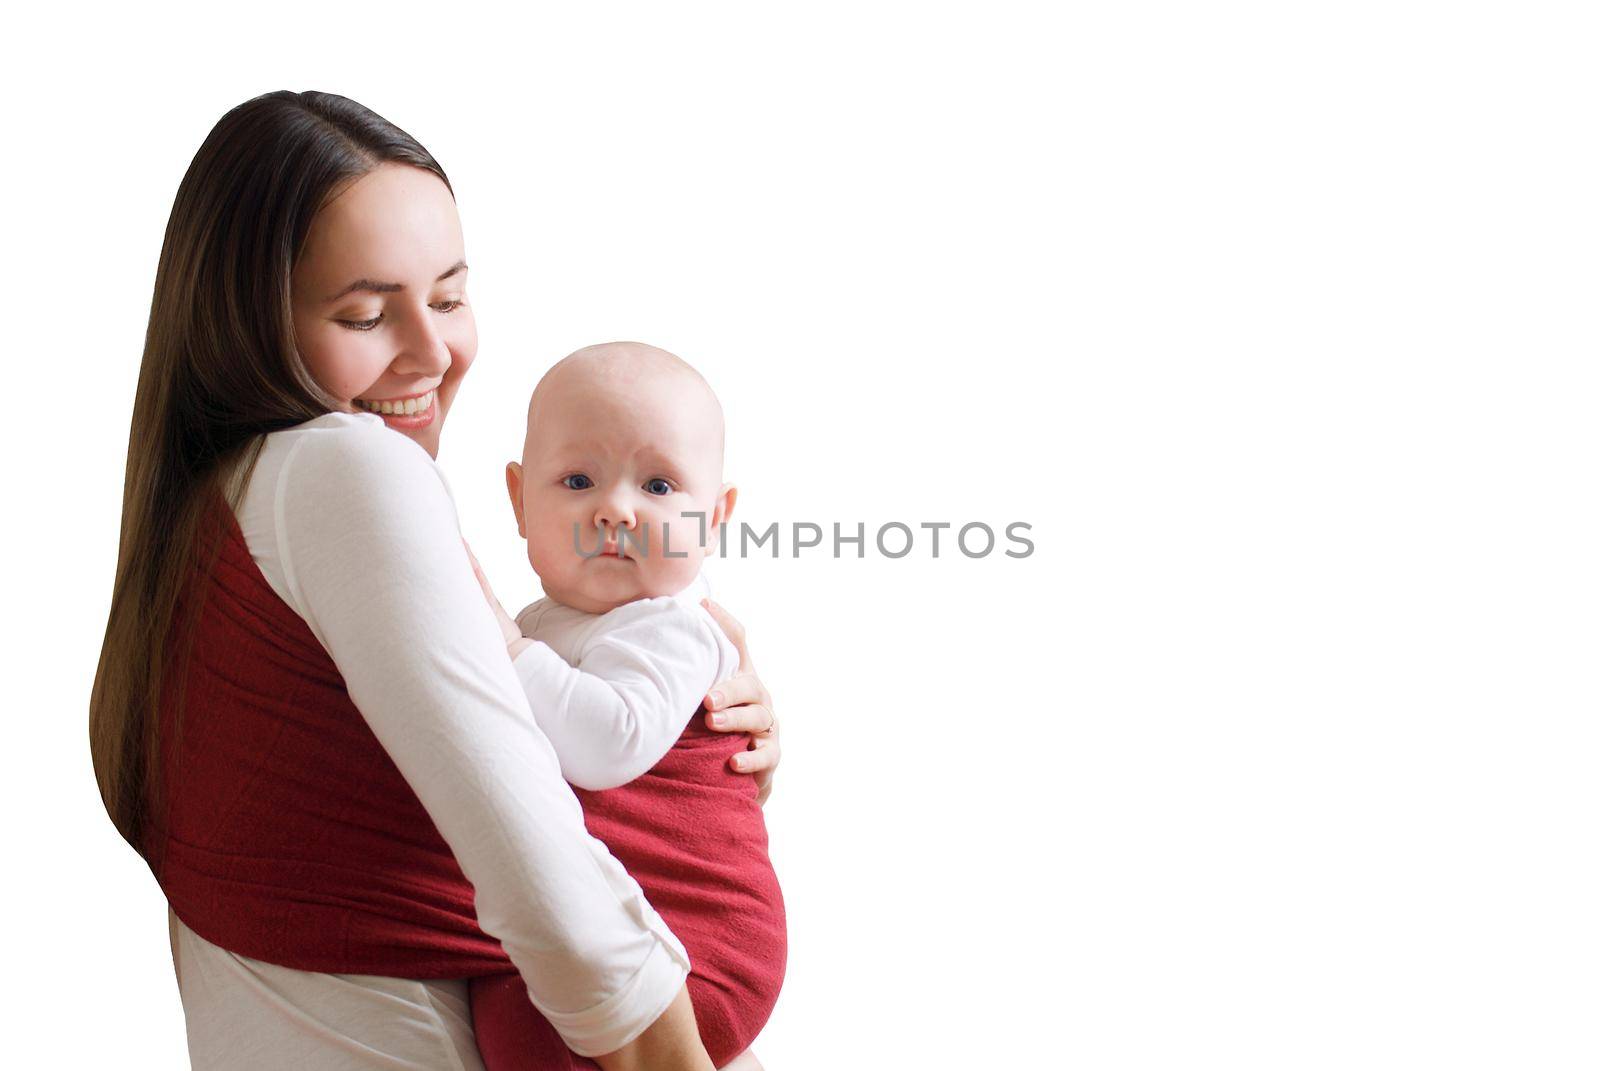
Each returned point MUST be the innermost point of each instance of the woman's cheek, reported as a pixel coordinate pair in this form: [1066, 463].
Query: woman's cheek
[464, 344]
[462, 341]
[345, 367]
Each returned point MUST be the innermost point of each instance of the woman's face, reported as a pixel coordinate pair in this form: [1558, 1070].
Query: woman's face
[379, 300]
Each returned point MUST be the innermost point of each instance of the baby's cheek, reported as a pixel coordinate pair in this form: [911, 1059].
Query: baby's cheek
[671, 575]
[550, 551]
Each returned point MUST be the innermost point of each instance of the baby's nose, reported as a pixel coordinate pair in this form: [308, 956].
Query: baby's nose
[615, 512]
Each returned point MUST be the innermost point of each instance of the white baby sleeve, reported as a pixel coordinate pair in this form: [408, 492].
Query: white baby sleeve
[638, 680]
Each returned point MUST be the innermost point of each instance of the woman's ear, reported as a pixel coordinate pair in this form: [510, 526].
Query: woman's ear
[514, 489]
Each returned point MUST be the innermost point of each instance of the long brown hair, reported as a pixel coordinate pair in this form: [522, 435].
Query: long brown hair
[220, 369]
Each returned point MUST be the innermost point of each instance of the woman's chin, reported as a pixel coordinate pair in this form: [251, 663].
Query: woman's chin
[426, 436]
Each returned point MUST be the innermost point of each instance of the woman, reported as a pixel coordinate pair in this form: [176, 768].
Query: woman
[304, 716]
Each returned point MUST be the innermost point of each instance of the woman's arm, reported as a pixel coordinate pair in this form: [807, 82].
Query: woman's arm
[366, 536]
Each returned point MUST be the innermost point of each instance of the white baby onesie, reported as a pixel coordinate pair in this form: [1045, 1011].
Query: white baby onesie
[614, 691]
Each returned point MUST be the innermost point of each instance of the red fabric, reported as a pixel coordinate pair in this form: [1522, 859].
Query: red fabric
[691, 833]
[288, 834]
[285, 833]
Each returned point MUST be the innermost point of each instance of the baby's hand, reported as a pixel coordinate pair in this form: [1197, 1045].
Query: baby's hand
[508, 627]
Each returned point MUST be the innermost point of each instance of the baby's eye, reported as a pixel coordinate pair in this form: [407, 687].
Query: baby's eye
[578, 481]
[658, 486]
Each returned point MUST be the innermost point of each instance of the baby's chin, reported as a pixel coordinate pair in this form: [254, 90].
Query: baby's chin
[598, 595]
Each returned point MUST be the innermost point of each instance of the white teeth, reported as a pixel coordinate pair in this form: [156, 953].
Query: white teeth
[407, 407]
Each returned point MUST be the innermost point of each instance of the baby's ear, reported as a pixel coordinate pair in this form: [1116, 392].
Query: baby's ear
[514, 489]
[724, 507]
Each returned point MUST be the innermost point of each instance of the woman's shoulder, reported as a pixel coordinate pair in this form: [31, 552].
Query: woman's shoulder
[337, 441]
[337, 453]
[333, 481]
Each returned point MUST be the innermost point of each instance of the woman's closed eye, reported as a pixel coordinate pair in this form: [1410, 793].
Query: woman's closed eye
[446, 307]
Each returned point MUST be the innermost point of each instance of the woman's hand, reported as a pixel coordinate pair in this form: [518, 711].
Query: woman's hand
[671, 1043]
[742, 704]
[508, 628]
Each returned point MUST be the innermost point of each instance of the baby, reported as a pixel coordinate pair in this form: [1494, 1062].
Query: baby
[619, 494]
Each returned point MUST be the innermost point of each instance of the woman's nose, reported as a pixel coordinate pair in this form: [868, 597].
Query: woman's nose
[423, 350]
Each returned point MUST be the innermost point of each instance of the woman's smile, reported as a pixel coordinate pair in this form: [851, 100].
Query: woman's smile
[409, 413]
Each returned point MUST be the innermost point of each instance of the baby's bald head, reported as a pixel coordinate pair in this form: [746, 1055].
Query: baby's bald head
[639, 383]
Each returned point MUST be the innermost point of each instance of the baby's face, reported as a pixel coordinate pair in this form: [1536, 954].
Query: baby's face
[614, 458]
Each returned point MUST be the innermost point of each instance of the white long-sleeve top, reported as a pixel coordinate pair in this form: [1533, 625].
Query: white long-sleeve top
[353, 526]
[613, 691]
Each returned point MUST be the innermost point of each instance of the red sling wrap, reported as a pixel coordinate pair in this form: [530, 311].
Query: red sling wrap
[285, 833]
[691, 833]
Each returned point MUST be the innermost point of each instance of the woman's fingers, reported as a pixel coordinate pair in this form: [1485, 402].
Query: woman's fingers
[483, 581]
[742, 704]
[759, 757]
[735, 632]
[477, 571]
[760, 762]
[738, 691]
[508, 627]
[752, 718]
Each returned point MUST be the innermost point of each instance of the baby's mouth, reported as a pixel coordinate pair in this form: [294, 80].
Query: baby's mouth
[614, 551]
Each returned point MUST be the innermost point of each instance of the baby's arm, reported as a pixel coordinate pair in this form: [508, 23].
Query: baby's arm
[637, 683]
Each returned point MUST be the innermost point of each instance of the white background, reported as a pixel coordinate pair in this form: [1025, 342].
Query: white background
[1276, 321]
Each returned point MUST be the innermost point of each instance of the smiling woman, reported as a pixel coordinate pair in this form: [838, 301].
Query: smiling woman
[377, 321]
[304, 716]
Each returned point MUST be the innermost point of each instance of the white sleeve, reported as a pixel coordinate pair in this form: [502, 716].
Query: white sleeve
[637, 683]
[371, 553]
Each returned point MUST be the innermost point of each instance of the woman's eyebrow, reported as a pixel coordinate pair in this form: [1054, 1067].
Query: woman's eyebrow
[370, 286]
